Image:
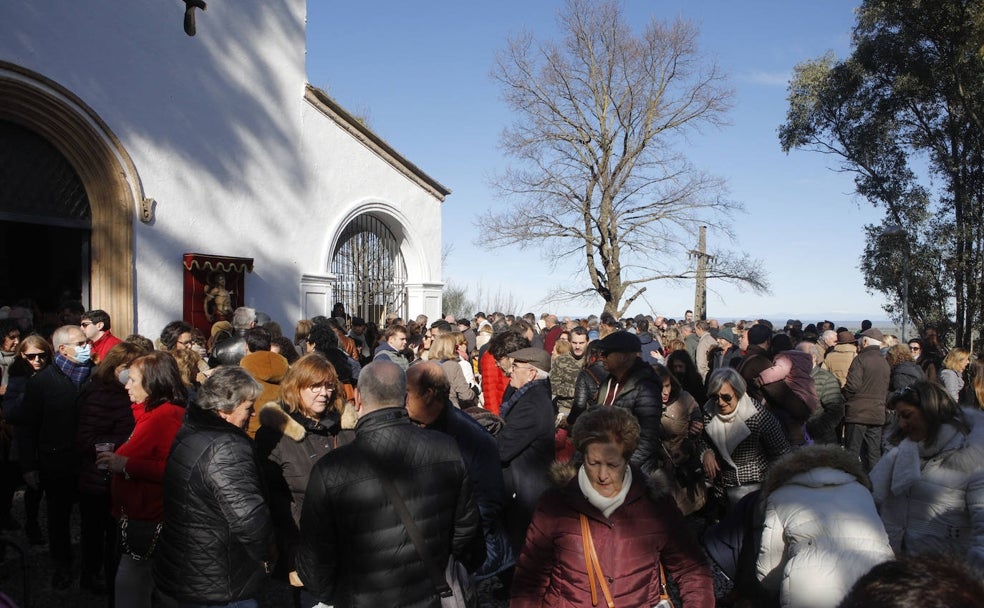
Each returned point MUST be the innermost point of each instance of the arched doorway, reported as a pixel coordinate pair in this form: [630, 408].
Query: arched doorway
[45, 223]
[370, 273]
[99, 241]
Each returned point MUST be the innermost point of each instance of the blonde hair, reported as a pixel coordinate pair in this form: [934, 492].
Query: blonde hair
[445, 346]
[955, 357]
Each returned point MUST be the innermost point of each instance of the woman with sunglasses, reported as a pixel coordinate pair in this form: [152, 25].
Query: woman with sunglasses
[311, 419]
[740, 439]
[930, 489]
[32, 354]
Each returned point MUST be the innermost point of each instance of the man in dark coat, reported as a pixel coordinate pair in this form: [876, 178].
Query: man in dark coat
[355, 550]
[866, 390]
[49, 454]
[429, 406]
[632, 384]
[526, 441]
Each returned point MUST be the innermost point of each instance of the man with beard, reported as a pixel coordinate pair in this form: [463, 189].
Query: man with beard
[564, 371]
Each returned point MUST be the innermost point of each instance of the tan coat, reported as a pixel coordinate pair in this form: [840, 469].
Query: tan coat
[838, 361]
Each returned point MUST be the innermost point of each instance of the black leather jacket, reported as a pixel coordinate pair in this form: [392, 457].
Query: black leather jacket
[354, 549]
[642, 394]
[217, 532]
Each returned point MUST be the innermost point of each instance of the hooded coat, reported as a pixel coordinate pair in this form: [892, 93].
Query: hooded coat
[645, 530]
[822, 531]
[268, 368]
[289, 445]
[931, 495]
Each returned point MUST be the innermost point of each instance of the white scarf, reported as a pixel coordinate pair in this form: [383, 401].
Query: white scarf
[604, 504]
[728, 430]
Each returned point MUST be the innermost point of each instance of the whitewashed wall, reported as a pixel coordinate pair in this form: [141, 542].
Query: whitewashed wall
[223, 139]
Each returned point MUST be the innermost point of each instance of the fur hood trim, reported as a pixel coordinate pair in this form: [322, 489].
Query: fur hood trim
[349, 416]
[275, 417]
[657, 486]
[809, 458]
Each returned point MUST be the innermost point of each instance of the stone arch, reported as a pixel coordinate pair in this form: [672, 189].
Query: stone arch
[398, 227]
[107, 173]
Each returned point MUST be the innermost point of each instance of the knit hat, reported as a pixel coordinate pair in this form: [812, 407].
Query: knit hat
[759, 334]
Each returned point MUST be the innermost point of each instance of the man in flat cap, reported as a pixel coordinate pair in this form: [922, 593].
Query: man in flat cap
[526, 441]
[632, 384]
[867, 384]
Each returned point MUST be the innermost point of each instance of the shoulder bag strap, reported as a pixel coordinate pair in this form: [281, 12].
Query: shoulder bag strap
[435, 573]
[594, 566]
[663, 593]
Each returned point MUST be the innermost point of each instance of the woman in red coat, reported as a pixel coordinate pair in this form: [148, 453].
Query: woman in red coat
[158, 402]
[633, 531]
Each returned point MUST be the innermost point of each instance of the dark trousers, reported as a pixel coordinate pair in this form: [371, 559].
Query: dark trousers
[10, 478]
[32, 506]
[60, 481]
[98, 536]
[864, 440]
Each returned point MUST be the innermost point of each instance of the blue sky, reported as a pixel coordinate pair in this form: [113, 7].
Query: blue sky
[420, 73]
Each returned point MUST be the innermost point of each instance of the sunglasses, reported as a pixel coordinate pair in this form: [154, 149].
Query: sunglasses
[34, 356]
[725, 398]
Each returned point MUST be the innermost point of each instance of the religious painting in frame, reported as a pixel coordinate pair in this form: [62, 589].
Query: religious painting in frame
[213, 288]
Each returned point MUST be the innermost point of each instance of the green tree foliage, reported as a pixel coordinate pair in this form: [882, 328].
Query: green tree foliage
[903, 114]
[598, 176]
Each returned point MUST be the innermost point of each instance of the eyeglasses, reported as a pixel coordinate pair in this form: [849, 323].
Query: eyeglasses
[724, 397]
[82, 343]
[34, 356]
[915, 349]
[314, 388]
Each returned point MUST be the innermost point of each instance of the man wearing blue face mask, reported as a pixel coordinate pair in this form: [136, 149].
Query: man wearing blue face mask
[49, 456]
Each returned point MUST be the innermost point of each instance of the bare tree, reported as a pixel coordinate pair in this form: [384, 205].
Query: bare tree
[599, 114]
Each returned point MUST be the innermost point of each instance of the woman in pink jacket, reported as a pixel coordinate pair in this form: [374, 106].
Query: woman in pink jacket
[636, 531]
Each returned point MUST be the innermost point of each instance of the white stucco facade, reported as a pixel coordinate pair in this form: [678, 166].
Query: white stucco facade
[241, 157]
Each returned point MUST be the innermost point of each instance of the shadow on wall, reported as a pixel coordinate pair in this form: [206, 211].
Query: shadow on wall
[218, 100]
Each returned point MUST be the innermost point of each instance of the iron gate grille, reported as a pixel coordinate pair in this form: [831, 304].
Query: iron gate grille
[370, 274]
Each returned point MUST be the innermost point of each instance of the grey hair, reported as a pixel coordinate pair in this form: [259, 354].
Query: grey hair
[243, 317]
[383, 384]
[828, 334]
[866, 342]
[815, 350]
[63, 335]
[726, 374]
[541, 375]
[226, 388]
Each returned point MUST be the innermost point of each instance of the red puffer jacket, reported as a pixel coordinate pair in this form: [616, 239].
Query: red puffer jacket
[645, 530]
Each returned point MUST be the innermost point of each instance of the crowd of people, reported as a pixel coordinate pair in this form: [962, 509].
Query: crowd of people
[576, 461]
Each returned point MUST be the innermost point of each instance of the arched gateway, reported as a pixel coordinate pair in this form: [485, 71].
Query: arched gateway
[93, 209]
